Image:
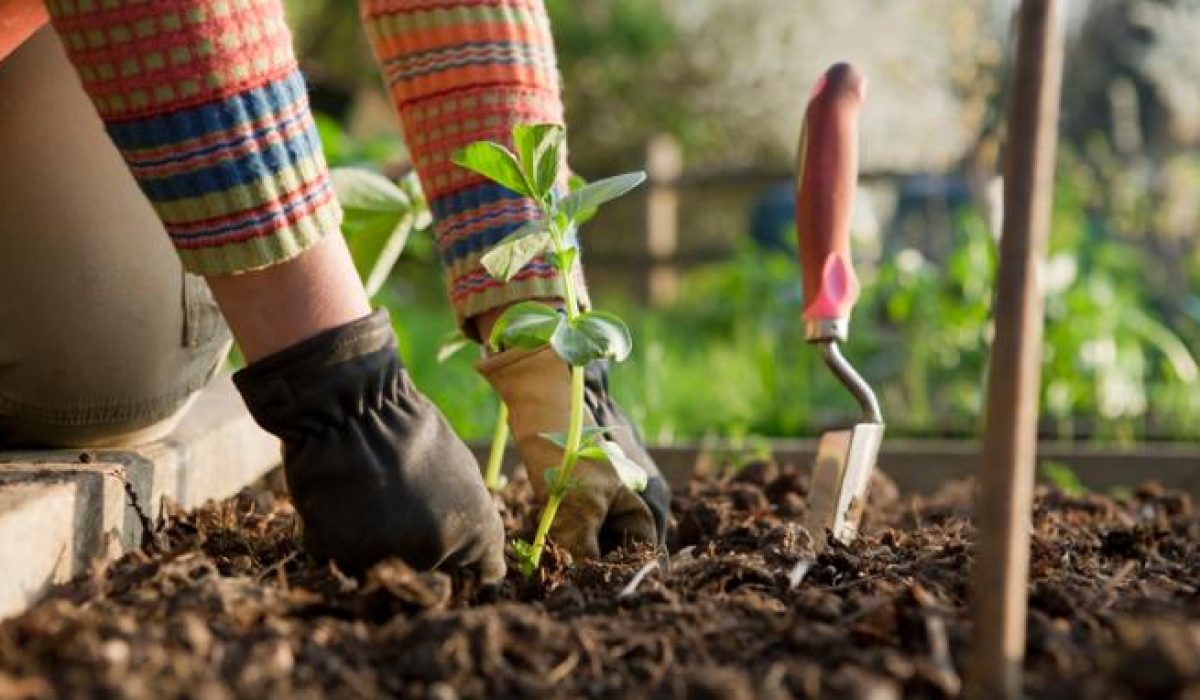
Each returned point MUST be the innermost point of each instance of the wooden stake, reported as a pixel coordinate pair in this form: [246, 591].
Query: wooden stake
[1004, 501]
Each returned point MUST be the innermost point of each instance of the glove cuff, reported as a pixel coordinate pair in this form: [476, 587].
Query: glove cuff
[536, 387]
[320, 381]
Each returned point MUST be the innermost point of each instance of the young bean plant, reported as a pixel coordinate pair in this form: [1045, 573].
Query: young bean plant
[533, 169]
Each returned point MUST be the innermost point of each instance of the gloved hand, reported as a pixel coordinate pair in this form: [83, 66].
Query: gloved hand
[374, 469]
[601, 513]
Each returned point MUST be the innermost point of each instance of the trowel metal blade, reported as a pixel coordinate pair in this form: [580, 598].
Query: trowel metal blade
[838, 491]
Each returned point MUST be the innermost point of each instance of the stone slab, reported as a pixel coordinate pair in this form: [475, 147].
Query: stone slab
[61, 510]
[37, 522]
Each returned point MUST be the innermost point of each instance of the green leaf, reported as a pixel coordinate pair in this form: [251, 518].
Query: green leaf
[387, 256]
[378, 218]
[590, 435]
[575, 346]
[564, 259]
[539, 148]
[527, 556]
[556, 488]
[629, 471]
[410, 184]
[510, 255]
[370, 236]
[529, 324]
[608, 331]
[593, 452]
[549, 158]
[1062, 477]
[594, 194]
[594, 335]
[1166, 341]
[496, 163]
[576, 183]
[334, 142]
[362, 191]
[451, 344]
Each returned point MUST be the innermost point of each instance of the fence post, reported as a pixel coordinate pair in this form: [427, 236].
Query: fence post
[1004, 501]
[664, 165]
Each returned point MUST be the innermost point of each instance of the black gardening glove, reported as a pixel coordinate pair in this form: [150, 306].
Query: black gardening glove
[374, 469]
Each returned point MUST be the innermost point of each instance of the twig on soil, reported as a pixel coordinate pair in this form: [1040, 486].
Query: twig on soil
[637, 579]
[856, 582]
[1114, 582]
[560, 671]
[588, 645]
[798, 572]
[939, 641]
[683, 554]
[939, 649]
[868, 608]
[348, 674]
[279, 569]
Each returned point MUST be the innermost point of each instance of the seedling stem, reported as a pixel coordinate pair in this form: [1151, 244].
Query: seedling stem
[492, 478]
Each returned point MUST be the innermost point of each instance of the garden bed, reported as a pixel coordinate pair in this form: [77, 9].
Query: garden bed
[222, 603]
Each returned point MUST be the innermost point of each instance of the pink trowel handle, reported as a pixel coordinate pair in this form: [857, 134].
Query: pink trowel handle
[826, 174]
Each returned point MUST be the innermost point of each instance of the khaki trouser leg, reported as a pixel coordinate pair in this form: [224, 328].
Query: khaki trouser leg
[103, 339]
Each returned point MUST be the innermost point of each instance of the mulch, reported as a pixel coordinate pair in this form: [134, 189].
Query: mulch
[222, 603]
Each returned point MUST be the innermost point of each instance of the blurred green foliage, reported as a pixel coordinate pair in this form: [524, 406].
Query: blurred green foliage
[1062, 477]
[624, 78]
[728, 360]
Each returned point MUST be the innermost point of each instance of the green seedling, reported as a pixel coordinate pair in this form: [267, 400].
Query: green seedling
[378, 216]
[450, 346]
[492, 478]
[532, 169]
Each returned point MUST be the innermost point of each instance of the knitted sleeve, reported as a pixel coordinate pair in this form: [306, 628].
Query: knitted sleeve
[459, 71]
[205, 103]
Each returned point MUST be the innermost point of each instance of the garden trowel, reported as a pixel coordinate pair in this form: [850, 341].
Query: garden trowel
[826, 177]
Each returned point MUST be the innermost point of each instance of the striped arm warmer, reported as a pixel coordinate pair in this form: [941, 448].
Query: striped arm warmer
[460, 71]
[204, 100]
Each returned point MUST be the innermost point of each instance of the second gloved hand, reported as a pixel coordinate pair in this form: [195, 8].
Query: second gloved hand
[374, 469]
[600, 513]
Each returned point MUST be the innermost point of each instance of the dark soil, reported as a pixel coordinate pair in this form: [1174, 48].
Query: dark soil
[223, 604]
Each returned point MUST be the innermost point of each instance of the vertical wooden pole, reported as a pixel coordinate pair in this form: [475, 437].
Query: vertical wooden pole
[1004, 501]
[664, 165]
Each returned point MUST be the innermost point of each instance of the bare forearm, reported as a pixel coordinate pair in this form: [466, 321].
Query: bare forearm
[279, 306]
